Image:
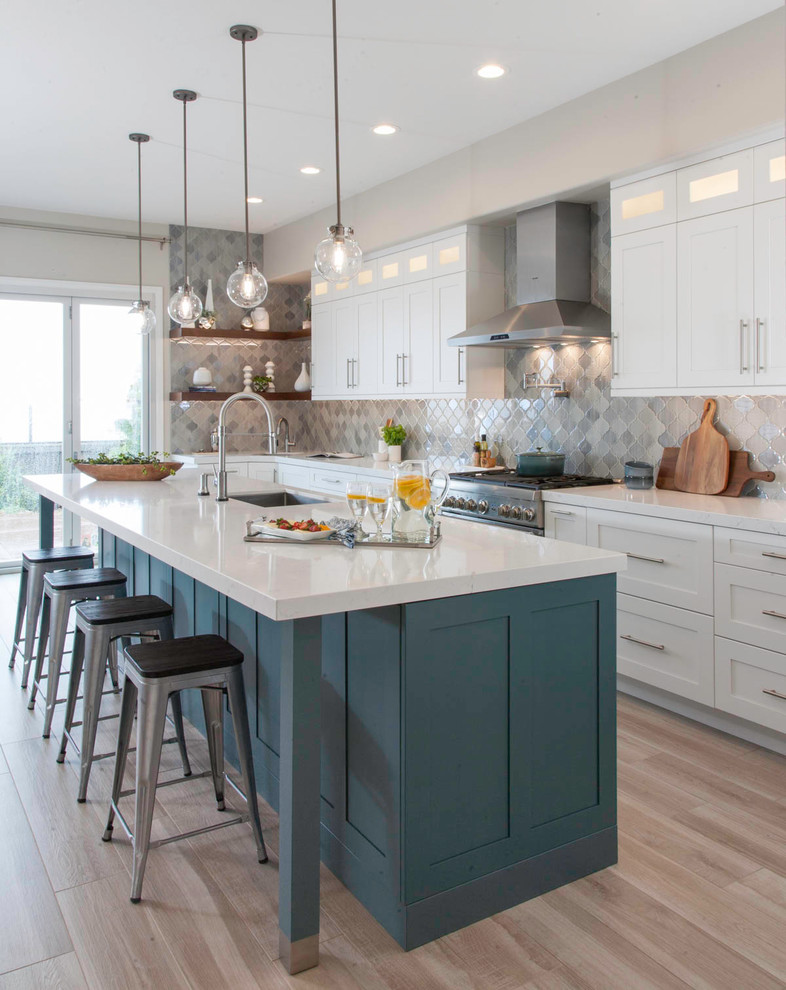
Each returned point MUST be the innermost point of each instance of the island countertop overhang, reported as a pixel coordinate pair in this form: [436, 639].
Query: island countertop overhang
[204, 539]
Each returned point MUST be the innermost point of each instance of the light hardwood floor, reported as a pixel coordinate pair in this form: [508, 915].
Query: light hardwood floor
[698, 898]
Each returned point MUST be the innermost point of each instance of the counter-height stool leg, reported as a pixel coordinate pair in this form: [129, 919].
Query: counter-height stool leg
[237, 704]
[20, 614]
[96, 650]
[74, 678]
[180, 733]
[43, 639]
[124, 727]
[213, 707]
[32, 612]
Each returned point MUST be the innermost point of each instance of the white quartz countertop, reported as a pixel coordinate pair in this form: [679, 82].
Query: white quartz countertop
[204, 539]
[756, 514]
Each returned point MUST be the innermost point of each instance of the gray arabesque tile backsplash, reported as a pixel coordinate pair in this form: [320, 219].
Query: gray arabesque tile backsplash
[597, 432]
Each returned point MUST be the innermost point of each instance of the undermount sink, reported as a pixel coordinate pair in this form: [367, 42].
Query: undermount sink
[268, 499]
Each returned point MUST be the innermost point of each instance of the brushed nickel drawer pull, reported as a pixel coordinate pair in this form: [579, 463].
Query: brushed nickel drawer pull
[639, 556]
[773, 693]
[562, 512]
[642, 642]
[771, 553]
[775, 615]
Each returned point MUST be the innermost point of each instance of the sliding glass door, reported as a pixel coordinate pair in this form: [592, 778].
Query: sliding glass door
[76, 383]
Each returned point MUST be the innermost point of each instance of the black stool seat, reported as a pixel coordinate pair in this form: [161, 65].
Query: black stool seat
[56, 553]
[190, 655]
[124, 609]
[94, 578]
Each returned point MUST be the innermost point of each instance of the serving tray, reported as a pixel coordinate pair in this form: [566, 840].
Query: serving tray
[364, 541]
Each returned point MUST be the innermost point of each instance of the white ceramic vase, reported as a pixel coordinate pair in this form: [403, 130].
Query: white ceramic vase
[303, 383]
[394, 453]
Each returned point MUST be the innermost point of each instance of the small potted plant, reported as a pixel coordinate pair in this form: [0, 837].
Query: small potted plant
[260, 383]
[394, 436]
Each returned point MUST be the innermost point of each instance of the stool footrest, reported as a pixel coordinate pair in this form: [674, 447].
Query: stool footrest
[237, 820]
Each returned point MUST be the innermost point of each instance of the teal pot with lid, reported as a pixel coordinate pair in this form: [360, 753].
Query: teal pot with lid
[540, 463]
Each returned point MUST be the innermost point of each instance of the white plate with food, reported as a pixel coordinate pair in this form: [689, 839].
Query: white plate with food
[303, 530]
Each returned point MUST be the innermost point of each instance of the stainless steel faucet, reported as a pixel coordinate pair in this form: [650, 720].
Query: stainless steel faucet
[283, 421]
[222, 437]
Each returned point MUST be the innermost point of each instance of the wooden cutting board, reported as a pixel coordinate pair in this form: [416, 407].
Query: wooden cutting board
[703, 461]
[739, 472]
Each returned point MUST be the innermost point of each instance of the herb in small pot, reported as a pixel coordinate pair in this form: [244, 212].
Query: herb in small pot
[260, 383]
[394, 436]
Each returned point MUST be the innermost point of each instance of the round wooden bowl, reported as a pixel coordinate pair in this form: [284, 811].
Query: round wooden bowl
[130, 472]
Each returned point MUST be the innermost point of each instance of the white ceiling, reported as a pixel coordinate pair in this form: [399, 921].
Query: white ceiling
[87, 72]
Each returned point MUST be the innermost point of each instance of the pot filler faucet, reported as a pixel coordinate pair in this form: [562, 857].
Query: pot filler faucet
[222, 437]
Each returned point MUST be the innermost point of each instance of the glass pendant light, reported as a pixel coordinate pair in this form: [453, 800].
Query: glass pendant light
[247, 286]
[338, 258]
[185, 306]
[143, 317]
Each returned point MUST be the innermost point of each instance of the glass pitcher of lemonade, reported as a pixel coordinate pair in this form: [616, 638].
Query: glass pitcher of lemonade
[414, 503]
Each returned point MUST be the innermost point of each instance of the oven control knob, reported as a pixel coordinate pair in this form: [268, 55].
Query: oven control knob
[483, 506]
[460, 503]
[503, 510]
[449, 502]
[472, 504]
[529, 514]
[515, 512]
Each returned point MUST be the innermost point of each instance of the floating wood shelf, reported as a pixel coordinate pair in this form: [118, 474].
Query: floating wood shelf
[221, 396]
[252, 335]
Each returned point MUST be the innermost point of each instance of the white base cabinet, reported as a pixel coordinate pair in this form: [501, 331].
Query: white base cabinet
[751, 683]
[567, 523]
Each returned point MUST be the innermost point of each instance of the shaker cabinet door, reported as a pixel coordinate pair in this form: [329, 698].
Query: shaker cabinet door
[344, 337]
[390, 340]
[323, 376]
[418, 364]
[450, 318]
[769, 256]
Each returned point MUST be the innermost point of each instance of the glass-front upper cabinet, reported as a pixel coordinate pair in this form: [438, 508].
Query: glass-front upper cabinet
[644, 204]
[719, 184]
[769, 171]
[367, 279]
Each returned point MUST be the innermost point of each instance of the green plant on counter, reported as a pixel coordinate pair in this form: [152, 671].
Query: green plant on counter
[260, 383]
[140, 458]
[394, 436]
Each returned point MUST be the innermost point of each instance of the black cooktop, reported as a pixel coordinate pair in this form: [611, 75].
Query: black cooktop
[510, 479]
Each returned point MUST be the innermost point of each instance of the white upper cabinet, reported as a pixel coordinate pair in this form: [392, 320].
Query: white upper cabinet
[418, 263]
[367, 279]
[418, 351]
[769, 171]
[450, 255]
[769, 255]
[355, 347]
[715, 301]
[323, 374]
[644, 308]
[324, 291]
[344, 344]
[450, 318]
[390, 340]
[724, 183]
[647, 203]
[391, 269]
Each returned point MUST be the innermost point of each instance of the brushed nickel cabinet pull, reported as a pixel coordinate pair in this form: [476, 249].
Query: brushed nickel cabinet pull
[775, 615]
[354, 370]
[460, 352]
[771, 553]
[404, 358]
[562, 512]
[614, 338]
[652, 560]
[760, 365]
[348, 382]
[773, 693]
[743, 348]
[642, 642]
[398, 375]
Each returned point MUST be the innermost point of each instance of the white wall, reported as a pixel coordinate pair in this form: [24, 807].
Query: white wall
[725, 88]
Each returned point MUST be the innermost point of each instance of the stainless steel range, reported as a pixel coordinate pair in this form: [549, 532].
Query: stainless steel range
[503, 498]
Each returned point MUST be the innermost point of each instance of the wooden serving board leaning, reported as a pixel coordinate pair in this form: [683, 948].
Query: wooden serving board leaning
[739, 472]
[703, 460]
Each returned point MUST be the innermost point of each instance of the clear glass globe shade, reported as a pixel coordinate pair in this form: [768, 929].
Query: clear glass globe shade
[142, 317]
[185, 306]
[338, 258]
[247, 286]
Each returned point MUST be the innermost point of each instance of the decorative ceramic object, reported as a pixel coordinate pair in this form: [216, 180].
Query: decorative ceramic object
[247, 323]
[209, 307]
[270, 372]
[382, 451]
[202, 376]
[394, 453]
[303, 383]
[261, 318]
[306, 324]
[207, 321]
[248, 374]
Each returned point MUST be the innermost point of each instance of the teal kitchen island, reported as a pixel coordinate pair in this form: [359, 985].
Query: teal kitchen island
[438, 726]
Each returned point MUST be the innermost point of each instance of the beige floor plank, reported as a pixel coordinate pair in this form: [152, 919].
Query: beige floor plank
[557, 979]
[73, 853]
[59, 973]
[766, 883]
[16, 722]
[118, 945]
[632, 749]
[592, 952]
[751, 933]
[684, 949]
[31, 926]
[740, 831]
[638, 783]
[686, 845]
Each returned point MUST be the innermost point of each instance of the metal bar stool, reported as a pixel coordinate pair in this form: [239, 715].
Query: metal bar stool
[35, 564]
[153, 672]
[99, 625]
[63, 589]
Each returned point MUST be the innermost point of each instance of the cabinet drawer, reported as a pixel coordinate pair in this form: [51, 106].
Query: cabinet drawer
[334, 482]
[670, 648]
[668, 561]
[566, 522]
[757, 550]
[751, 683]
[297, 477]
[750, 607]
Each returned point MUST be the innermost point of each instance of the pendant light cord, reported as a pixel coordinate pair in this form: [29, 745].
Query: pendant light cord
[139, 215]
[185, 194]
[245, 153]
[335, 116]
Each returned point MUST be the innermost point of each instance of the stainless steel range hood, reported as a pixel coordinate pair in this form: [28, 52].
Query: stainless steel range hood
[553, 267]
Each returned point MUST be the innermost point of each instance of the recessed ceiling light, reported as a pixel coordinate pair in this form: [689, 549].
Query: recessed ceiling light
[490, 71]
[310, 170]
[385, 129]
[254, 199]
